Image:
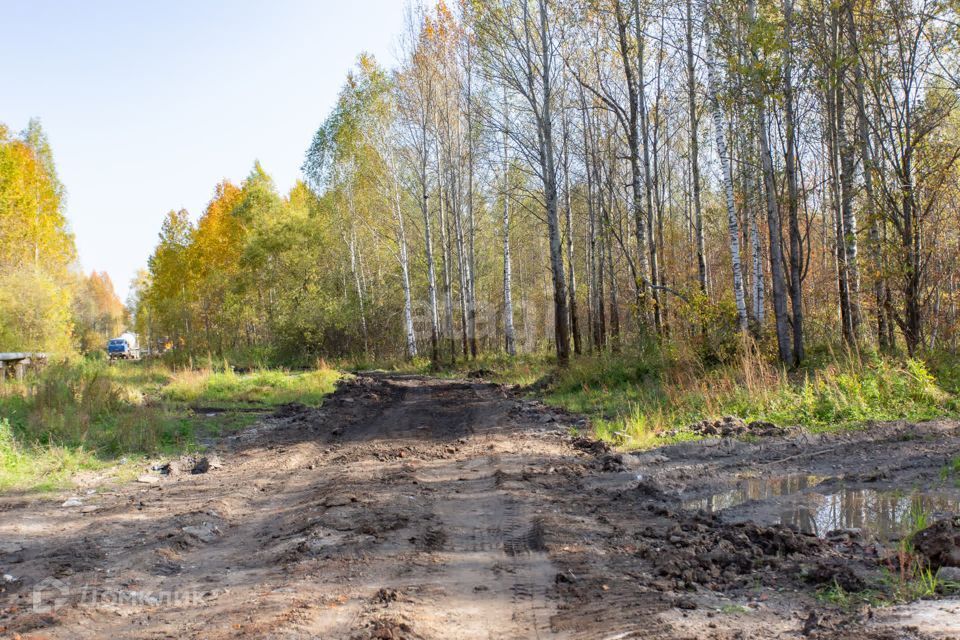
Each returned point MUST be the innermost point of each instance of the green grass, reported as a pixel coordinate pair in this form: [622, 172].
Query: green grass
[227, 389]
[731, 609]
[636, 399]
[91, 416]
[951, 470]
[836, 595]
[35, 467]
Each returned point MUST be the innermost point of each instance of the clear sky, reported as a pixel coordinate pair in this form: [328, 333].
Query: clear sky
[149, 104]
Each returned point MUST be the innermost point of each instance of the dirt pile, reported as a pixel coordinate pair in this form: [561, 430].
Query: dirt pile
[730, 426]
[940, 543]
[699, 550]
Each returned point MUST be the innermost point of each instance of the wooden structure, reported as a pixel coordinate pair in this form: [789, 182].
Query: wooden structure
[18, 363]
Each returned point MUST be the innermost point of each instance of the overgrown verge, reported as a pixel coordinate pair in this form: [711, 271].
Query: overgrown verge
[227, 389]
[89, 415]
[652, 394]
[646, 398]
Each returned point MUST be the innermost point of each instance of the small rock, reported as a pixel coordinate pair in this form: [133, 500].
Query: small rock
[205, 464]
[810, 624]
[90, 508]
[10, 547]
[7, 578]
[72, 502]
[949, 574]
[845, 535]
[205, 532]
[763, 428]
[148, 479]
[168, 468]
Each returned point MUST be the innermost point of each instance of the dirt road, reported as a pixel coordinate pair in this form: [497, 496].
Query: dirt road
[408, 507]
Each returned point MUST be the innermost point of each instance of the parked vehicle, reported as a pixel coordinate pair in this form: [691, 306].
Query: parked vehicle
[125, 347]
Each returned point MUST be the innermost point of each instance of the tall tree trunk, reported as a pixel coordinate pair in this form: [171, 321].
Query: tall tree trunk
[574, 325]
[355, 269]
[756, 250]
[510, 341]
[462, 269]
[648, 184]
[833, 116]
[428, 250]
[777, 276]
[695, 154]
[614, 303]
[793, 197]
[845, 148]
[632, 125]
[910, 239]
[471, 224]
[733, 225]
[548, 170]
[866, 152]
[405, 268]
[447, 263]
[595, 293]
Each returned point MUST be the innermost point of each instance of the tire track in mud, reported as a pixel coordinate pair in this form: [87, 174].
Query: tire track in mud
[494, 554]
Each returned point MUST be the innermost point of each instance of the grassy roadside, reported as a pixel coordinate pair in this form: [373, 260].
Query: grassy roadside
[647, 397]
[87, 415]
[635, 406]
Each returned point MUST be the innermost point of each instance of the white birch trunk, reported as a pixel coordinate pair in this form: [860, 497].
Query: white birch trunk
[733, 225]
[508, 331]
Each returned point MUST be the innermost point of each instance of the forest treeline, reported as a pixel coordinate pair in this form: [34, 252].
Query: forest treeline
[586, 173]
[46, 303]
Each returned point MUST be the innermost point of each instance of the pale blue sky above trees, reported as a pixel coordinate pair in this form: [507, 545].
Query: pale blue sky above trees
[149, 105]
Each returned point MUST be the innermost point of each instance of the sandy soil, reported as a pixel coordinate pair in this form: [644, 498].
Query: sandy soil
[409, 507]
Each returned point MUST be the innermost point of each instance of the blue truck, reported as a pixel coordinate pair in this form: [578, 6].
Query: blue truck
[125, 347]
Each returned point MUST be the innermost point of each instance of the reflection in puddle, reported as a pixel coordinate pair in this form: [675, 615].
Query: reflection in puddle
[886, 515]
[755, 489]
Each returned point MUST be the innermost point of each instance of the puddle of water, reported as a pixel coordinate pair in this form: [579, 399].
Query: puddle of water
[886, 515]
[754, 489]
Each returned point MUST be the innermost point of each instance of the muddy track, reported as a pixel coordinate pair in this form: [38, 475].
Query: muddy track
[408, 507]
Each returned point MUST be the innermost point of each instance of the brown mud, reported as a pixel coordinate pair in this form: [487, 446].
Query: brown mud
[409, 507]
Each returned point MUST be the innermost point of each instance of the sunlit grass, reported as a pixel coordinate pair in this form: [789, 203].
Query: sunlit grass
[642, 400]
[266, 386]
[91, 416]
